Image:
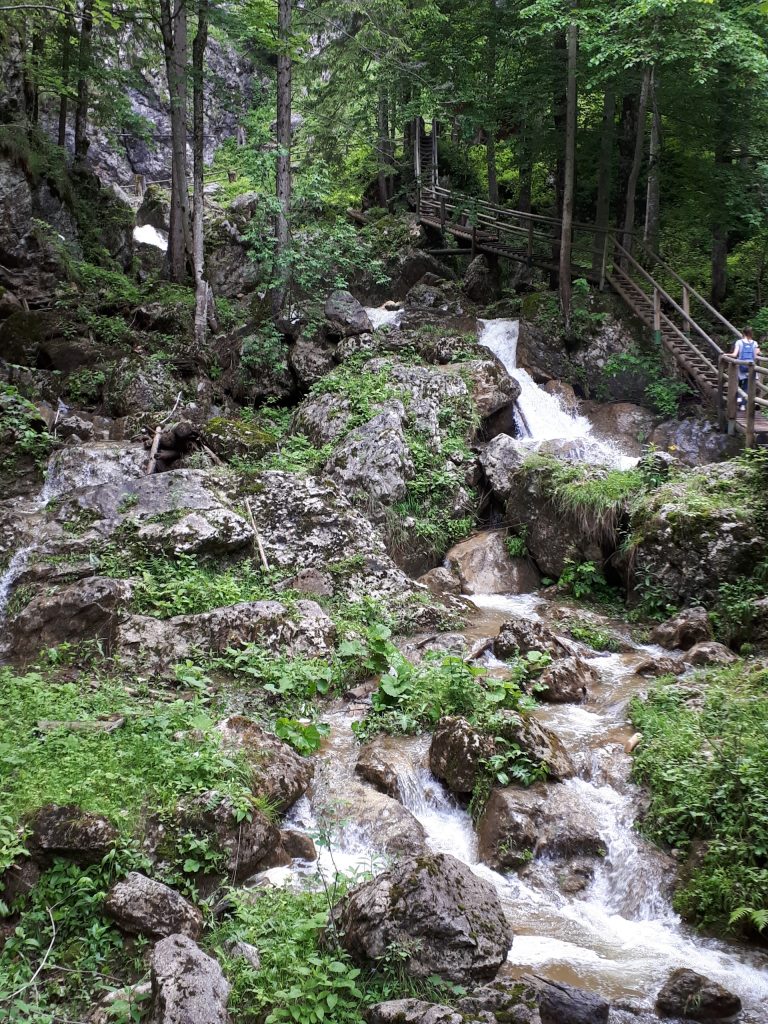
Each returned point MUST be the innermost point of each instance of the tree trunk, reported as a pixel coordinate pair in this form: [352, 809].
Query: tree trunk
[284, 72]
[83, 72]
[173, 24]
[637, 160]
[723, 162]
[652, 203]
[603, 202]
[490, 154]
[37, 52]
[490, 129]
[559, 119]
[198, 168]
[65, 35]
[627, 137]
[569, 175]
[382, 117]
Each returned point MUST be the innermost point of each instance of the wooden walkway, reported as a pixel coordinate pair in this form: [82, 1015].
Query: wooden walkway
[695, 334]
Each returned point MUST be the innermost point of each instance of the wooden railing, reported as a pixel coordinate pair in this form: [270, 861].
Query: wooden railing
[730, 395]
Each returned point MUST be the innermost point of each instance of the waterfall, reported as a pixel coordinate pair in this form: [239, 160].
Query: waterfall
[539, 415]
[147, 235]
[380, 316]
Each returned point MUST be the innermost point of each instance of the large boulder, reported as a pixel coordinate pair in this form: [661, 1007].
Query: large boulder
[374, 463]
[520, 636]
[144, 906]
[692, 996]
[450, 919]
[456, 752]
[566, 681]
[695, 442]
[377, 763]
[70, 832]
[346, 315]
[501, 459]
[480, 284]
[491, 387]
[277, 772]
[537, 741]
[684, 630]
[244, 843]
[565, 1004]
[188, 986]
[544, 820]
[311, 358]
[322, 418]
[484, 566]
[624, 424]
[411, 1011]
[709, 652]
[85, 610]
[163, 642]
[136, 386]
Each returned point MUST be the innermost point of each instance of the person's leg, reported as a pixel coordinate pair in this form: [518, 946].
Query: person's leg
[741, 401]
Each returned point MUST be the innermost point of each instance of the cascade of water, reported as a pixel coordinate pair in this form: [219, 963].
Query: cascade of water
[147, 235]
[380, 316]
[14, 569]
[539, 415]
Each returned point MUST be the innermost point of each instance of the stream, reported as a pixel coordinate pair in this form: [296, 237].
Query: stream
[620, 936]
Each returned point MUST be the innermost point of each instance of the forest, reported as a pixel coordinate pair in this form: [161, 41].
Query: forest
[383, 548]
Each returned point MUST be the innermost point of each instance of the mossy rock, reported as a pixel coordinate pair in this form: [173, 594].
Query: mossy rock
[25, 443]
[236, 437]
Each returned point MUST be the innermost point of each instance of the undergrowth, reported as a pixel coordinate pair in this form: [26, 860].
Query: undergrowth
[704, 757]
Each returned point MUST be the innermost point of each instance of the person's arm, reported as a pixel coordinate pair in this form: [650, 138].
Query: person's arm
[736, 349]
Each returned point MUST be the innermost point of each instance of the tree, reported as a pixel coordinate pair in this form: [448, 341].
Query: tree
[569, 171]
[283, 171]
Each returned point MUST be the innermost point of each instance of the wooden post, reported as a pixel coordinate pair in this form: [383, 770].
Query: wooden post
[687, 310]
[657, 316]
[733, 387]
[434, 152]
[442, 213]
[604, 264]
[417, 161]
[721, 419]
[751, 395]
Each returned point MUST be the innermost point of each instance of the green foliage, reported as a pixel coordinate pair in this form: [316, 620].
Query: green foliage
[586, 582]
[162, 752]
[735, 609]
[704, 757]
[594, 637]
[516, 545]
[662, 391]
[84, 386]
[22, 432]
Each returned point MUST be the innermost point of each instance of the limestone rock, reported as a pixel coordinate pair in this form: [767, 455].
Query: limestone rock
[322, 418]
[144, 906]
[655, 666]
[708, 652]
[539, 742]
[694, 997]
[298, 845]
[479, 284]
[310, 359]
[695, 442]
[136, 386]
[484, 566]
[455, 753]
[278, 773]
[514, 1002]
[521, 636]
[491, 387]
[433, 904]
[240, 950]
[560, 1003]
[441, 581]
[542, 820]
[217, 531]
[85, 610]
[389, 829]
[346, 314]
[188, 986]
[245, 844]
[626, 425]
[374, 461]
[689, 627]
[566, 681]
[70, 832]
[310, 581]
[375, 765]
[501, 459]
[411, 1011]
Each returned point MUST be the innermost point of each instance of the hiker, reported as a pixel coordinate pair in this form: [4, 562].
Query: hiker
[746, 349]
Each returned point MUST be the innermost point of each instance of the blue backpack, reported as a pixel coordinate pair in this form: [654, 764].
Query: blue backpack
[747, 351]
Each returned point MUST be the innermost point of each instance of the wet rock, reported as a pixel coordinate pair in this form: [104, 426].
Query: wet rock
[245, 843]
[298, 845]
[411, 1011]
[564, 393]
[346, 314]
[521, 636]
[188, 986]
[240, 950]
[484, 566]
[695, 442]
[434, 905]
[514, 1002]
[659, 666]
[441, 581]
[388, 827]
[501, 459]
[708, 652]
[566, 681]
[689, 627]
[480, 284]
[543, 820]
[540, 352]
[694, 997]
[374, 764]
[70, 832]
[374, 461]
[86, 610]
[455, 753]
[491, 387]
[163, 642]
[624, 424]
[539, 742]
[278, 773]
[436, 294]
[144, 906]
[565, 1004]
[576, 877]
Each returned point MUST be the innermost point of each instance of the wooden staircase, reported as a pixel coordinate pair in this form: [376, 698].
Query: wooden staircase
[696, 335]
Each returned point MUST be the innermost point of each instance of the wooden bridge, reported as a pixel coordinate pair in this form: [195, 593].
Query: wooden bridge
[696, 335]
